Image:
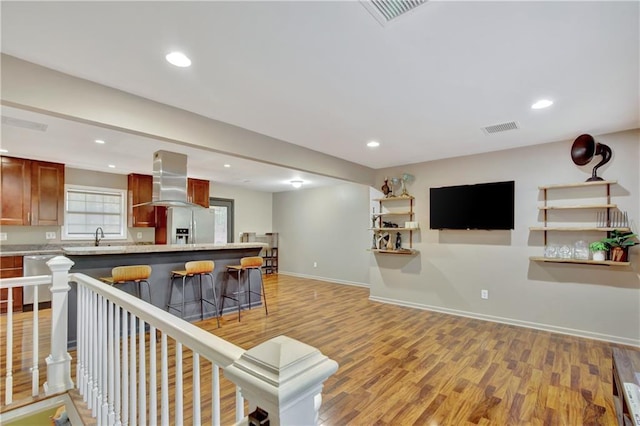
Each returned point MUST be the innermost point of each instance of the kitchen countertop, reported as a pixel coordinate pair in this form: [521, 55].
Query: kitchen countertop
[155, 248]
[29, 249]
[124, 248]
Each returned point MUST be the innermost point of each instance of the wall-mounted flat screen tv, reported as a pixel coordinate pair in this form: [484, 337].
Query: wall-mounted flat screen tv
[480, 206]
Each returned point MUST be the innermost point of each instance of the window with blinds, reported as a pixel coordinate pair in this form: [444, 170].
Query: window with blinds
[87, 208]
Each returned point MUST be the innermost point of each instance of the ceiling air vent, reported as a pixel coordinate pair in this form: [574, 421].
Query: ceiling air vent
[25, 124]
[386, 10]
[502, 127]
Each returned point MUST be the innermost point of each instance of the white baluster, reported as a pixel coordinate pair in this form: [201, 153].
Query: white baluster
[196, 389]
[116, 350]
[164, 381]
[142, 368]
[215, 395]
[104, 355]
[79, 341]
[35, 373]
[8, 386]
[110, 361]
[153, 393]
[178, 399]
[125, 367]
[96, 355]
[92, 349]
[85, 346]
[239, 405]
[98, 376]
[132, 373]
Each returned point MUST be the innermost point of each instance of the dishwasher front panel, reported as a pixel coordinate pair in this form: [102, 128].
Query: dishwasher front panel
[32, 266]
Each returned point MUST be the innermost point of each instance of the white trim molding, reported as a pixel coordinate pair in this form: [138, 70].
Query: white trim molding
[510, 321]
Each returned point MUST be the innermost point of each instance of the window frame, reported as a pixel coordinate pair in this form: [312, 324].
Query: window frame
[122, 193]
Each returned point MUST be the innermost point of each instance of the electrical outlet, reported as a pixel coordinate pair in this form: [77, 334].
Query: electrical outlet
[484, 294]
[139, 235]
[3, 236]
[50, 235]
[315, 264]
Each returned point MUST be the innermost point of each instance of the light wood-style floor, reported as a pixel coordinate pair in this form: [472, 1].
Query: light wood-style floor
[402, 366]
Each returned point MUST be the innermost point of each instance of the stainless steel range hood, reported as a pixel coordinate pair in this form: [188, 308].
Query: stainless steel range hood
[169, 181]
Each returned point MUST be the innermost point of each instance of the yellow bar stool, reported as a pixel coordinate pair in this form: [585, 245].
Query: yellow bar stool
[192, 269]
[247, 264]
[136, 274]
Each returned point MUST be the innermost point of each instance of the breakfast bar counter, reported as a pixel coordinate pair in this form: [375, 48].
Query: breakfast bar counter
[97, 262]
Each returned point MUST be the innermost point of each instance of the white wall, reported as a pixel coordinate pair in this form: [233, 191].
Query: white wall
[252, 209]
[327, 226]
[453, 266]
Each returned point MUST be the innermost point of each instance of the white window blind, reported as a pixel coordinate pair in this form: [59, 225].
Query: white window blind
[87, 208]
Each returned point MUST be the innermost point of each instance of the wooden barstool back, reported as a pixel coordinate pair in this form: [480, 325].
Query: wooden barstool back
[132, 273]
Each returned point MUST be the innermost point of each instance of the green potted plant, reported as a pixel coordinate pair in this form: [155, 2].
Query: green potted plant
[599, 250]
[619, 243]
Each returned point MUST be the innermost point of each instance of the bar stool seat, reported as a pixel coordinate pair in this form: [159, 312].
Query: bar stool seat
[136, 274]
[192, 269]
[247, 264]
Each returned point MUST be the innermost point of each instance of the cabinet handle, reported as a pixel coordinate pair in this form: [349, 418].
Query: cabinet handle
[29, 218]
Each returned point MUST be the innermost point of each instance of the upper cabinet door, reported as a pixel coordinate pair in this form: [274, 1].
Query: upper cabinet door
[47, 193]
[140, 188]
[15, 191]
[198, 191]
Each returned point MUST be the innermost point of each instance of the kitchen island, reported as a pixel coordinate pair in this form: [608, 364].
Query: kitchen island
[97, 262]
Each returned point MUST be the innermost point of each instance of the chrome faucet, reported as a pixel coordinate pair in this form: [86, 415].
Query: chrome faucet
[97, 241]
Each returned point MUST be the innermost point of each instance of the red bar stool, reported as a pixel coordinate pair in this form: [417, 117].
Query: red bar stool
[136, 274]
[192, 269]
[247, 264]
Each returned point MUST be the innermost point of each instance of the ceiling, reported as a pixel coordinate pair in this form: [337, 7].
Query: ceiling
[328, 76]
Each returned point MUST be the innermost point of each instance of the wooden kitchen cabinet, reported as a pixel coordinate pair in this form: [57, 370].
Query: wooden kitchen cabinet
[198, 192]
[32, 192]
[140, 190]
[11, 267]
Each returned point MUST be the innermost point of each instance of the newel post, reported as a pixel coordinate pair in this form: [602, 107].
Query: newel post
[59, 361]
[283, 377]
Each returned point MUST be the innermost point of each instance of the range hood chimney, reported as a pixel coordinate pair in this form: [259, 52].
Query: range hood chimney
[169, 181]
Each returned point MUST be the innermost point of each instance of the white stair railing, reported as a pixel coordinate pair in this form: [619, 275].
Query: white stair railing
[114, 330]
[37, 283]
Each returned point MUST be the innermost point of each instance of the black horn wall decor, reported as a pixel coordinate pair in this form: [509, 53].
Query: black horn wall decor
[583, 150]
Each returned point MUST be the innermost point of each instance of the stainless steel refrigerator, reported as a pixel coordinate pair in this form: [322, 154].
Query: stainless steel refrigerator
[190, 226]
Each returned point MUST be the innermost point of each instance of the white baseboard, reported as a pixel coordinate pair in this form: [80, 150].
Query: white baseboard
[526, 324]
[330, 280]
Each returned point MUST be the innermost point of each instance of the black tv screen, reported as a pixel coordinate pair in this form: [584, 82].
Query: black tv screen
[480, 206]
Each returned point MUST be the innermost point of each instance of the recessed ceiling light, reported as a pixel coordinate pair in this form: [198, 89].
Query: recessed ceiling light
[112, 166]
[100, 141]
[178, 59]
[227, 165]
[296, 183]
[542, 103]
[4, 151]
[373, 144]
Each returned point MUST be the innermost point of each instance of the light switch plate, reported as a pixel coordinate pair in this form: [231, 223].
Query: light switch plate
[3, 236]
[139, 235]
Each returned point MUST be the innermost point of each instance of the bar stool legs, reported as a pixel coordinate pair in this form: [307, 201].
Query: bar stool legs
[247, 264]
[192, 269]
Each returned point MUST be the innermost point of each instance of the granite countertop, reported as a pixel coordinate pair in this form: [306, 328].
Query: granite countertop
[118, 248]
[29, 249]
[154, 248]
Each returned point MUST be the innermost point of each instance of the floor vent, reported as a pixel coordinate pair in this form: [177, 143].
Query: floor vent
[386, 10]
[502, 127]
[25, 124]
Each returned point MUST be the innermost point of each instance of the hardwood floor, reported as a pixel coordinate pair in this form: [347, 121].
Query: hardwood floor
[402, 366]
